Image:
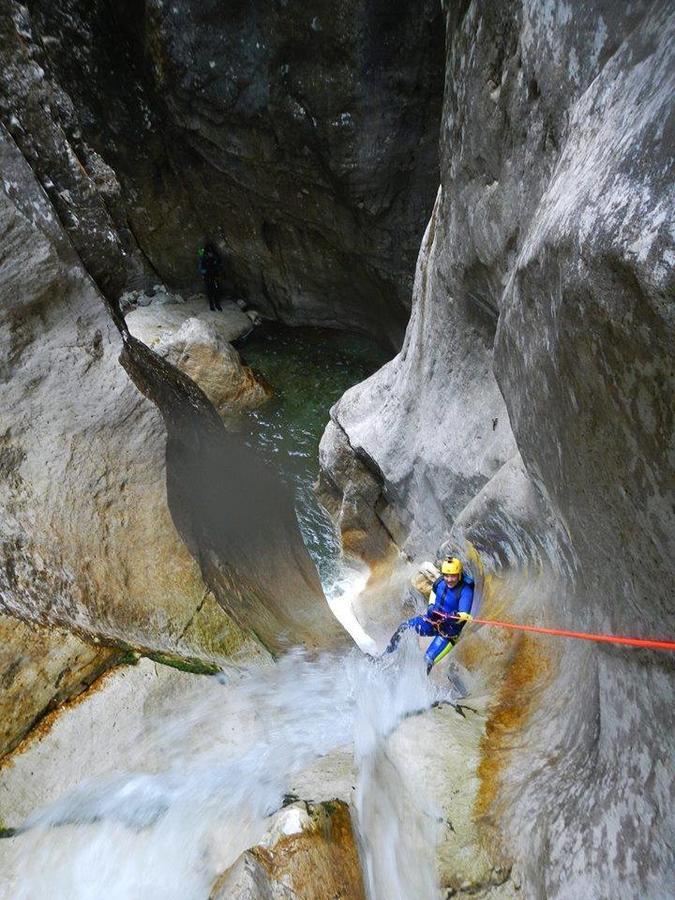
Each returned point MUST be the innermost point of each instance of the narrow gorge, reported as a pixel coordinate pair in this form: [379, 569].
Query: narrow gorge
[444, 328]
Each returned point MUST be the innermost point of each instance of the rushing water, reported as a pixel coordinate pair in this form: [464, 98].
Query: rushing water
[205, 777]
[167, 834]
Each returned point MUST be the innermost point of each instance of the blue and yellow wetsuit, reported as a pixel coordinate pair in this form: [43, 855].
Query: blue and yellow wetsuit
[444, 602]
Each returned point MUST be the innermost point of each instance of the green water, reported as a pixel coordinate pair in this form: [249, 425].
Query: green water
[309, 370]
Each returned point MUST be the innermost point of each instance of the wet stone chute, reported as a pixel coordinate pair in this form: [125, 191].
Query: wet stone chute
[211, 770]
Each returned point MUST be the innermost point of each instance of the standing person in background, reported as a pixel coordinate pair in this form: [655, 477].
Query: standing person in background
[210, 267]
[449, 609]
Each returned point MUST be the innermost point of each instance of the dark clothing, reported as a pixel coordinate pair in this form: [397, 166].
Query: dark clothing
[211, 286]
[210, 267]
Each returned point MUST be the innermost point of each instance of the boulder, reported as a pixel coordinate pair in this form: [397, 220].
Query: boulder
[308, 853]
[352, 493]
[154, 320]
[196, 342]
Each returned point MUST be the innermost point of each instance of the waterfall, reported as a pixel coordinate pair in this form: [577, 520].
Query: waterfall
[228, 756]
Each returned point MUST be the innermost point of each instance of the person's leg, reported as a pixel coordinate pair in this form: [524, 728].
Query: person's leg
[437, 650]
[419, 623]
[210, 293]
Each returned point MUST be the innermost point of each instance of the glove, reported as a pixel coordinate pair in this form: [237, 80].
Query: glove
[465, 617]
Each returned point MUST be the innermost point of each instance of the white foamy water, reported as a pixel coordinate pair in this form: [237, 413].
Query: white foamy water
[341, 594]
[168, 833]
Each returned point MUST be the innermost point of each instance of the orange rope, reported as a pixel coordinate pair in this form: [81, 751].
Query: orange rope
[582, 635]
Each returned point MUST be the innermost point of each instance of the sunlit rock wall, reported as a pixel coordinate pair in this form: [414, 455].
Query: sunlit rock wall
[87, 539]
[527, 422]
[119, 524]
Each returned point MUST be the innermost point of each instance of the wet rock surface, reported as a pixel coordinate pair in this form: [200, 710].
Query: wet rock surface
[197, 341]
[40, 668]
[308, 853]
[436, 757]
[525, 426]
[88, 539]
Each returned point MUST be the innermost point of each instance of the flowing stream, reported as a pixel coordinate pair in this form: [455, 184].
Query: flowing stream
[169, 833]
[203, 777]
[309, 369]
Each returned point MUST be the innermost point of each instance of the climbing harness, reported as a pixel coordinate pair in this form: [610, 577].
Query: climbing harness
[581, 635]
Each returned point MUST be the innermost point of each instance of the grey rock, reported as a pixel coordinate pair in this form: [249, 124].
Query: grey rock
[80, 561]
[527, 421]
[86, 537]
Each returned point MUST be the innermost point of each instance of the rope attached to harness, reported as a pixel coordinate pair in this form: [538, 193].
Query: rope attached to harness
[647, 643]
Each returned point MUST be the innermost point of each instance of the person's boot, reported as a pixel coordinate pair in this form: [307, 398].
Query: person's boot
[212, 307]
[430, 666]
[218, 306]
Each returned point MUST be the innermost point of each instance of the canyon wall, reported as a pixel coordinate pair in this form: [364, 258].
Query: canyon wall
[526, 423]
[126, 524]
[304, 142]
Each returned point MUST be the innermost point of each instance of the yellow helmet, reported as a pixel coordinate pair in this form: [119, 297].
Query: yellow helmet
[451, 567]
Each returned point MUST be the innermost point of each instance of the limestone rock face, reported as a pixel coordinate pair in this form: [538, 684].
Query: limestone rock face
[426, 774]
[39, 669]
[526, 421]
[197, 342]
[83, 190]
[353, 495]
[88, 542]
[308, 853]
[303, 141]
[115, 518]
[114, 713]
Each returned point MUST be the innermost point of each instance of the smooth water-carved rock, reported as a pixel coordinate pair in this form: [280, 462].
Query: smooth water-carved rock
[39, 669]
[87, 538]
[115, 713]
[118, 502]
[88, 541]
[426, 775]
[527, 415]
[352, 493]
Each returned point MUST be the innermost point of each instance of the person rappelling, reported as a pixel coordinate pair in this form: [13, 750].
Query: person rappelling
[450, 601]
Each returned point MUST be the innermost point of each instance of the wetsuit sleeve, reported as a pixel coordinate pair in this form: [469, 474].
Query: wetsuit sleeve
[465, 599]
